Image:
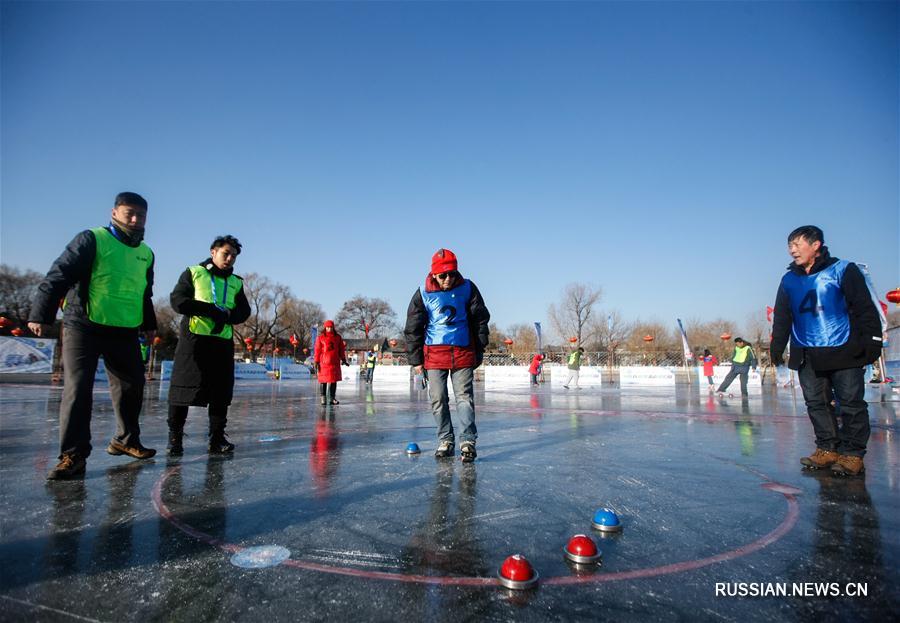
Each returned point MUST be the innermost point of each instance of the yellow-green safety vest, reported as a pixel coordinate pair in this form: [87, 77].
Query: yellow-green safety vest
[118, 281]
[216, 290]
[741, 354]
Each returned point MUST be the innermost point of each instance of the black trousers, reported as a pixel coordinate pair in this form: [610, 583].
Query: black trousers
[331, 388]
[122, 356]
[218, 418]
[849, 387]
[736, 369]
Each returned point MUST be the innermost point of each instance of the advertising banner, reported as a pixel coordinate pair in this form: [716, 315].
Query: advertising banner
[25, 354]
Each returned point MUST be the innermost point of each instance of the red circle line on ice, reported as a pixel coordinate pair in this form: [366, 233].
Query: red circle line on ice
[787, 523]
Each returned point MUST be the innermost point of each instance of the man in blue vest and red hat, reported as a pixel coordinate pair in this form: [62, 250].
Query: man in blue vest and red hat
[446, 333]
[825, 308]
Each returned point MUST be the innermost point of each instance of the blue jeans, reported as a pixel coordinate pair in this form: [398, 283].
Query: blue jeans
[465, 402]
[849, 390]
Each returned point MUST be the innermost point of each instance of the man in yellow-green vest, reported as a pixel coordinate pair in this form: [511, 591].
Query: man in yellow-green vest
[105, 276]
[742, 360]
[212, 300]
[371, 361]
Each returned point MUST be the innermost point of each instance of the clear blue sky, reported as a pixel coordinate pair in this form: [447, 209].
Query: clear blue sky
[660, 150]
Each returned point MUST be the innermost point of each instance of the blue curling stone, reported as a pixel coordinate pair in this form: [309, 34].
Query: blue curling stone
[412, 448]
[606, 520]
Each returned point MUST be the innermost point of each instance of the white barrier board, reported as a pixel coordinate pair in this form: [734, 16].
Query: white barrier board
[588, 376]
[646, 375]
[506, 376]
[754, 379]
[392, 375]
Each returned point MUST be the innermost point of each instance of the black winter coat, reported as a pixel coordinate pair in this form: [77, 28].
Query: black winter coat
[70, 277]
[864, 344]
[203, 372]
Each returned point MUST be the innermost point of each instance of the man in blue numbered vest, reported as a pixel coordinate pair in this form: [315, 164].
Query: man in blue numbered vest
[446, 332]
[106, 277]
[825, 308]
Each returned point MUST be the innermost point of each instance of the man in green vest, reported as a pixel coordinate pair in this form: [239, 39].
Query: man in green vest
[742, 360]
[211, 299]
[371, 360]
[105, 276]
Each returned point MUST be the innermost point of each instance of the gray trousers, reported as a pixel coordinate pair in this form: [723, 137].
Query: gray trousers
[125, 369]
[465, 402]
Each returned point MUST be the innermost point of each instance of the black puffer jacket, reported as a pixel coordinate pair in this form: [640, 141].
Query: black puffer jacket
[864, 345]
[70, 277]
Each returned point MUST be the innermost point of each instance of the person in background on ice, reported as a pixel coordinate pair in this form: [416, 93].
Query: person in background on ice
[574, 365]
[329, 355]
[535, 368]
[211, 299]
[371, 361]
[824, 307]
[709, 361]
[742, 360]
[106, 277]
[446, 334]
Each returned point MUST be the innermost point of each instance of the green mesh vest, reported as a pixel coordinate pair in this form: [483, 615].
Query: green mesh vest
[225, 292]
[118, 281]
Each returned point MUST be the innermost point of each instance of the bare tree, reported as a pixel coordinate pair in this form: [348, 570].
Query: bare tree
[360, 311]
[524, 338]
[300, 316]
[268, 303]
[17, 288]
[612, 331]
[703, 335]
[496, 337]
[574, 316]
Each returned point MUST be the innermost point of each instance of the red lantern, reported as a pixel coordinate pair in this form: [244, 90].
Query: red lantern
[393, 343]
[4, 321]
[573, 339]
[508, 342]
[894, 296]
[725, 336]
[648, 338]
[277, 351]
[17, 332]
[305, 351]
[157, 341]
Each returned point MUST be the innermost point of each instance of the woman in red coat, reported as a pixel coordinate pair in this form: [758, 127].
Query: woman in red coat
[709, 360]
[535, 369]
[329, 355]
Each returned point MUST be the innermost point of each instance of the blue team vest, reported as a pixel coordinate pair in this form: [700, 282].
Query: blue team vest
[818, 307]
[448, 322]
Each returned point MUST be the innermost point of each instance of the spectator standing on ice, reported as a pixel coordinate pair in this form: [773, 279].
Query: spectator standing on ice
[329, 355]
[574, 365]
[106, 277]
[211, 299]
[535, 368]
[824, 307]
[446, 333]
[371, 361]
[742, 360]
[709, 362]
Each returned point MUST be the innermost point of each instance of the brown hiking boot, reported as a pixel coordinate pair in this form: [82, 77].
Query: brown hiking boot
[820, 459]
[847, 465]
[138, 451]
[70, 466]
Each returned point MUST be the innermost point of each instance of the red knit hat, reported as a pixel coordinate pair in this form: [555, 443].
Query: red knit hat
[443, 261]
[328, 323]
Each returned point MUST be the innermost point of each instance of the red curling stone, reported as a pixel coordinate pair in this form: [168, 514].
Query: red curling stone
[517, 573]
[582, 550]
